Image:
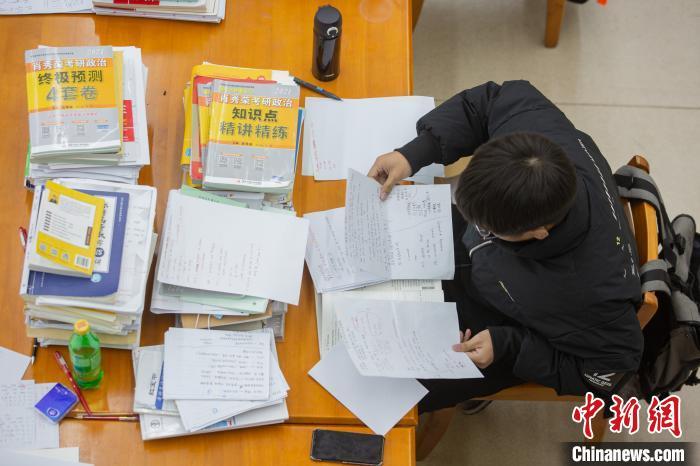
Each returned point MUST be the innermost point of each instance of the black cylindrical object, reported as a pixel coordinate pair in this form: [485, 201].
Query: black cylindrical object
[328, 25]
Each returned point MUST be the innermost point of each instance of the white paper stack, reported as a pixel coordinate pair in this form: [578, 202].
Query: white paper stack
[207, 11]
[220, 259]
[379, 125]
[112, 299]
[203, 381]
[134, 152]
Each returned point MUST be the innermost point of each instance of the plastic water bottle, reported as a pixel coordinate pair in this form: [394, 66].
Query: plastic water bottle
[84, 349]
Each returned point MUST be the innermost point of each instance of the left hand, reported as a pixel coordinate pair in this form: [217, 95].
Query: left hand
[478, 348]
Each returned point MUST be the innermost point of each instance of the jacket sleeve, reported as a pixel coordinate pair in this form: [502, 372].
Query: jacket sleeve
[453, 129]
[538, 361]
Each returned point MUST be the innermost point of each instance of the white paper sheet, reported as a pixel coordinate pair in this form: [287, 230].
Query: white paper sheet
[351, 133]
[35, 458]
[216, 365]
[379, 402]
[198, 414]
[63, 454]
[35, 7]
[217, 247]
[395, 290]
[22, 426]
[404, 339]
[330, 267]
[407, 236]
[12, 365]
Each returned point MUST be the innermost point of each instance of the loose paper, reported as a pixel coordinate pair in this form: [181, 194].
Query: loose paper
[404, 339]
[217, 247]
[409, 235]
[379, 402]
[350, 134]
[22, 426]
[35, 7]
[395, 290]
[331, 268]
[216, 365]
[12, 365]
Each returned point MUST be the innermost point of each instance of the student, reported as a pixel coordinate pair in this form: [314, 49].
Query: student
[546, 280]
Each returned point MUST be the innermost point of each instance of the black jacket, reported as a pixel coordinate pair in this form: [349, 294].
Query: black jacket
[575, 292]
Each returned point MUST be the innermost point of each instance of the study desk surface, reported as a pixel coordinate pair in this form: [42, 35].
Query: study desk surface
[375, 61]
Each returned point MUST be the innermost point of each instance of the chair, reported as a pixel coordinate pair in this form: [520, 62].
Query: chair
[642, 218]
[555, 15]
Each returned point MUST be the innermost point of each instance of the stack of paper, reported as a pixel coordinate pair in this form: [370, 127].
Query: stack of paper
[40, 7]
[386, 346]
[242, 129]
[206, 11]
[112, 298]
[87, 114]
[21, 425]
[204, 381]
[252, 273]
[350, 134]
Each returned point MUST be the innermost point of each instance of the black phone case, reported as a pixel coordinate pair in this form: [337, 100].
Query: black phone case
[347, 447]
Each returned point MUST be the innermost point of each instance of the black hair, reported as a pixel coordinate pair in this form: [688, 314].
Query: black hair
[516, 183]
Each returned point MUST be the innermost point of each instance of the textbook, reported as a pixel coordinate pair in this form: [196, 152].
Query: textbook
[68, 229]
[114, 317]
[104, 280]
[121, 166]
[207, 11]
[73, 99]
[252, 136]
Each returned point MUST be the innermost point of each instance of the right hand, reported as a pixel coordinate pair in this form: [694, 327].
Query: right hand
[388, 170]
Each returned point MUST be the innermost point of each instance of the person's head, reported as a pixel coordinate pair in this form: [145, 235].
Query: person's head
[517, 187]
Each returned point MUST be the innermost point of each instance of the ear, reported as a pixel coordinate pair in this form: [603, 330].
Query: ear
[540, 233]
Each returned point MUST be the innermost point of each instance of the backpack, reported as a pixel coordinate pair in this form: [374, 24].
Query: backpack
[671, 354]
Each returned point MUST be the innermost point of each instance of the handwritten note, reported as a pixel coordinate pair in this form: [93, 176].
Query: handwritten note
[21, 426]
[331, 268]
[407, 236]
[395, 290]
[33, 7]
[228, 249]
[199, 414]
[216, 365]
[404, 339]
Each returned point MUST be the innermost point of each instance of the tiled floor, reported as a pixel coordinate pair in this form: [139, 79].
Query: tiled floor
[629, 75]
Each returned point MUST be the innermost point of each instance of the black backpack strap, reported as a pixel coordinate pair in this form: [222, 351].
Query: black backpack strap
[635, 183]
[654, 276]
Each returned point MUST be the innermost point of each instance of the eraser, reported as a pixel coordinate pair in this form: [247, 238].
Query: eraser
[57, 403]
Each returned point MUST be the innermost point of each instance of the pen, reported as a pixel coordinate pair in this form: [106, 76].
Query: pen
[92, 417]
[64, 367]
[315, 88]
[34, 348]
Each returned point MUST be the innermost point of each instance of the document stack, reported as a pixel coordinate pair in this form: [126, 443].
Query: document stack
[205, 11]
[203, 381]
[112, 296]
[397, 249]
[242, 129]
[87, 114]
[225, 265]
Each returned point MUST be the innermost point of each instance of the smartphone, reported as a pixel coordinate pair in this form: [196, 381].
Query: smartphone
[347, 447]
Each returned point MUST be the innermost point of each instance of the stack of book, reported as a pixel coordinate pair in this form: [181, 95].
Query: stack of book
[203, 308]
[88, 255]
[170, 410]
[207, 11]
[87, 114]
[242, 129]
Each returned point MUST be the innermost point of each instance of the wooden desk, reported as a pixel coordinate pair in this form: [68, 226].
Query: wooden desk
[376, 61]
